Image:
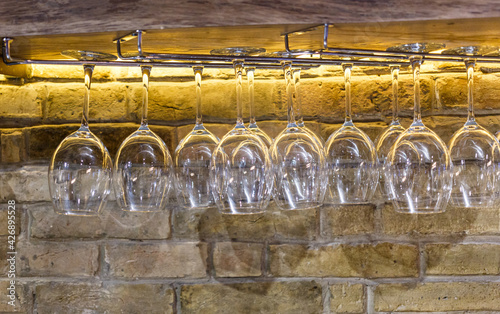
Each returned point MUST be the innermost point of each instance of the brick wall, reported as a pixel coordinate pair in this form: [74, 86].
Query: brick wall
[349, 259]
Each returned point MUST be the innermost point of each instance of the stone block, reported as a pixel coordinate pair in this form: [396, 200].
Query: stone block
[260, 297]
[24, 184]
[347, 220]
[5, 218]
[13, 146]
[74, 72]
[452, 89]
[275, 224]
[57, 259]
[347, 298]
[43, 140]
[66, 297]
[112, 223]
[437, 297]
[23, 300]
[454, 221]
[156, 260]
[236, 259]
[108, 102]
[383, 260]
[22, 101]
[462, 259]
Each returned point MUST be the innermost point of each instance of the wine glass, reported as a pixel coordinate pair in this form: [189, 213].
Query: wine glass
[418, 168]
[80, 169]
[384, 142]
[474, 151]
[241, 170]
[252, 126]
[143, 166]
[192, 159]
[352, 159]
[298, 108]
[299, 160]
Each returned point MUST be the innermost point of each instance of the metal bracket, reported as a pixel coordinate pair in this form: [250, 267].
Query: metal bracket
[6, 50]
[302, 31]
[136, 34]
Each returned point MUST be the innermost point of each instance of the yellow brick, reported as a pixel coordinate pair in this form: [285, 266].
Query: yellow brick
[347, 220]
[156, 260]
[236, 259]
[437, 296]
[458, 221]
[65, 297]
[364, 260]
[274, 224]
[258, 297]
[347, 298]
[13, 146]
[111, 223]
[462, 259]
[22, 101]
[58, 259]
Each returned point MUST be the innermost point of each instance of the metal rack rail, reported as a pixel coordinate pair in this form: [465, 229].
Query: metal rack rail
[300, 58]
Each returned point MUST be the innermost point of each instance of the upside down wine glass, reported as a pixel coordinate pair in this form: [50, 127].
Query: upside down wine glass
[474, 151]
[81, 168]
[418, 168]
[143, 166]
[192, 159]
[252, 126]
[298, 159]
[241, 170]
[384, 142]
[352, 159]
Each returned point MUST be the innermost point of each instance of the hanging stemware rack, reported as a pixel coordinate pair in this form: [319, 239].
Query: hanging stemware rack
[301, 58]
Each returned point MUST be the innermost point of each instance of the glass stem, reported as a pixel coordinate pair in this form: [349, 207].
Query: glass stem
[250, 77]
[198, 71]
[88, 69]
[146, 72]
[347, 80]
[469, 64]
[287, 68]
[298, 102]
[395, 108]
[415, 65]
[238, 70]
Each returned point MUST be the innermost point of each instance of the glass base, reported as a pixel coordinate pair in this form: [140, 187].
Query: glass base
[480, 201]
[298, 205]
[350, 203]
[68, 208]
[402, 207]
[243, 209]
[82, 213]
[141, 209]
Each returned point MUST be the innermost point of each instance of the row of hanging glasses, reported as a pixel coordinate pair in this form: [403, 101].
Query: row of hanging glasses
[240, 173]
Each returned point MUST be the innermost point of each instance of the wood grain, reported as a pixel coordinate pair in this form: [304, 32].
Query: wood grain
[40, 17]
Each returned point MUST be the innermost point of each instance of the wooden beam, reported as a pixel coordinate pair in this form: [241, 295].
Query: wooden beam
[42, 17]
